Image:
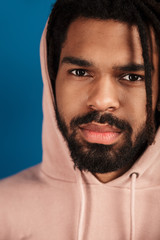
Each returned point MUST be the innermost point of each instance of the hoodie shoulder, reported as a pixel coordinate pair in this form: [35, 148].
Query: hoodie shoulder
[16, 194]
[14, 187]
[24, 177]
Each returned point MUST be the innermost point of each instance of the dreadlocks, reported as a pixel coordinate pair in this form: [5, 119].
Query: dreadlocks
[142, 13]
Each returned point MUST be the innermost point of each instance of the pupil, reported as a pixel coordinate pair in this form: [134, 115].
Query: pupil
[133, 77]
[80, 72]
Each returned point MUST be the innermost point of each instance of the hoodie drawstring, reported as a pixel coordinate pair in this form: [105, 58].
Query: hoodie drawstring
[81, 229]
[133, 177]
[82, 208]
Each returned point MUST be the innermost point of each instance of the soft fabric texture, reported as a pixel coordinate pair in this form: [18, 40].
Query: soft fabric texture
[52, 201]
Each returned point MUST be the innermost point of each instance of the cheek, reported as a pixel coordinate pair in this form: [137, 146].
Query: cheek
[70, 99]
[136, 112]
[135, 103]
[155, 92]
[155, 81]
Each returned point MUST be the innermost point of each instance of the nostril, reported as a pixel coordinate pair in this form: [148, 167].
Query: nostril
[111, 109]
[92, 107]
[101, 108]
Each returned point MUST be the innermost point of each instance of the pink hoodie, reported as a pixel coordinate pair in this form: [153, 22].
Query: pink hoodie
[52, 201]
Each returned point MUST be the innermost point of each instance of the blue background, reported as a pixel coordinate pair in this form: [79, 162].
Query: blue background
[21, 26]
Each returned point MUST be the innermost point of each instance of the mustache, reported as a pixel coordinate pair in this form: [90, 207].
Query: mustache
[98, 117]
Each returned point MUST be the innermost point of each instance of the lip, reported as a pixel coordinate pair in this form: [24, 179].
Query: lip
[100, 133]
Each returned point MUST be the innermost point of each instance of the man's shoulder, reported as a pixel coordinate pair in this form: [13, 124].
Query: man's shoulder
[20, 180]
[19, 195]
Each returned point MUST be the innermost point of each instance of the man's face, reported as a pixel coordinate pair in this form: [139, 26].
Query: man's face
[100, 94]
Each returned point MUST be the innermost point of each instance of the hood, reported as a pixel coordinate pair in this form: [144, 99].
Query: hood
[56, 159]
[57, 162]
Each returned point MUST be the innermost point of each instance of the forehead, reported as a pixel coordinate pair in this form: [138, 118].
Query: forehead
[86, 35]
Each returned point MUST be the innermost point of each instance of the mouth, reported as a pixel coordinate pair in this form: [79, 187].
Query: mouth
[100, 133]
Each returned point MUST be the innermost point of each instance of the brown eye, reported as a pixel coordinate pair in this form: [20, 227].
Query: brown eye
[133, 77]
[79, 72]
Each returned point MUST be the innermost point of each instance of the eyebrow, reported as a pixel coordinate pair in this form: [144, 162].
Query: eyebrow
[130, 67]
[135, 67]
[77, 61]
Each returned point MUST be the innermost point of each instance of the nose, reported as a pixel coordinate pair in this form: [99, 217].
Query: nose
[104, 95]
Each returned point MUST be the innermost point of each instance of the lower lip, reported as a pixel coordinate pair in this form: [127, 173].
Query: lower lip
[106, 138]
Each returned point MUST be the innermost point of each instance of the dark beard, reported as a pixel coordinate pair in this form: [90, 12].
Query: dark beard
[99, 158]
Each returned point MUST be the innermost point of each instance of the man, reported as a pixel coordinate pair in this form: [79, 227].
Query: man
[99, 178]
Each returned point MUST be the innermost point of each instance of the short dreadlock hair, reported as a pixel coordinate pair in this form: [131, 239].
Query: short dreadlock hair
[142, 13]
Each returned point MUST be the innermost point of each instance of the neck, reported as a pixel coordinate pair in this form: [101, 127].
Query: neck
[107, 177]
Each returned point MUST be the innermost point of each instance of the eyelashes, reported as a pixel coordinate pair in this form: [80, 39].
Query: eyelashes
[79, 72]
[131, 77]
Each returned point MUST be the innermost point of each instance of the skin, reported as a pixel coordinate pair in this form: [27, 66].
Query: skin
[104, 85]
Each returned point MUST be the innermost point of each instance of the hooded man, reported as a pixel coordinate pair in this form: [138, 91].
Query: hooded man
[100, 174]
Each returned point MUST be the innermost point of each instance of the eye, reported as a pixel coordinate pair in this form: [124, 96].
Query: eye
[79, 72]
[133, 77]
